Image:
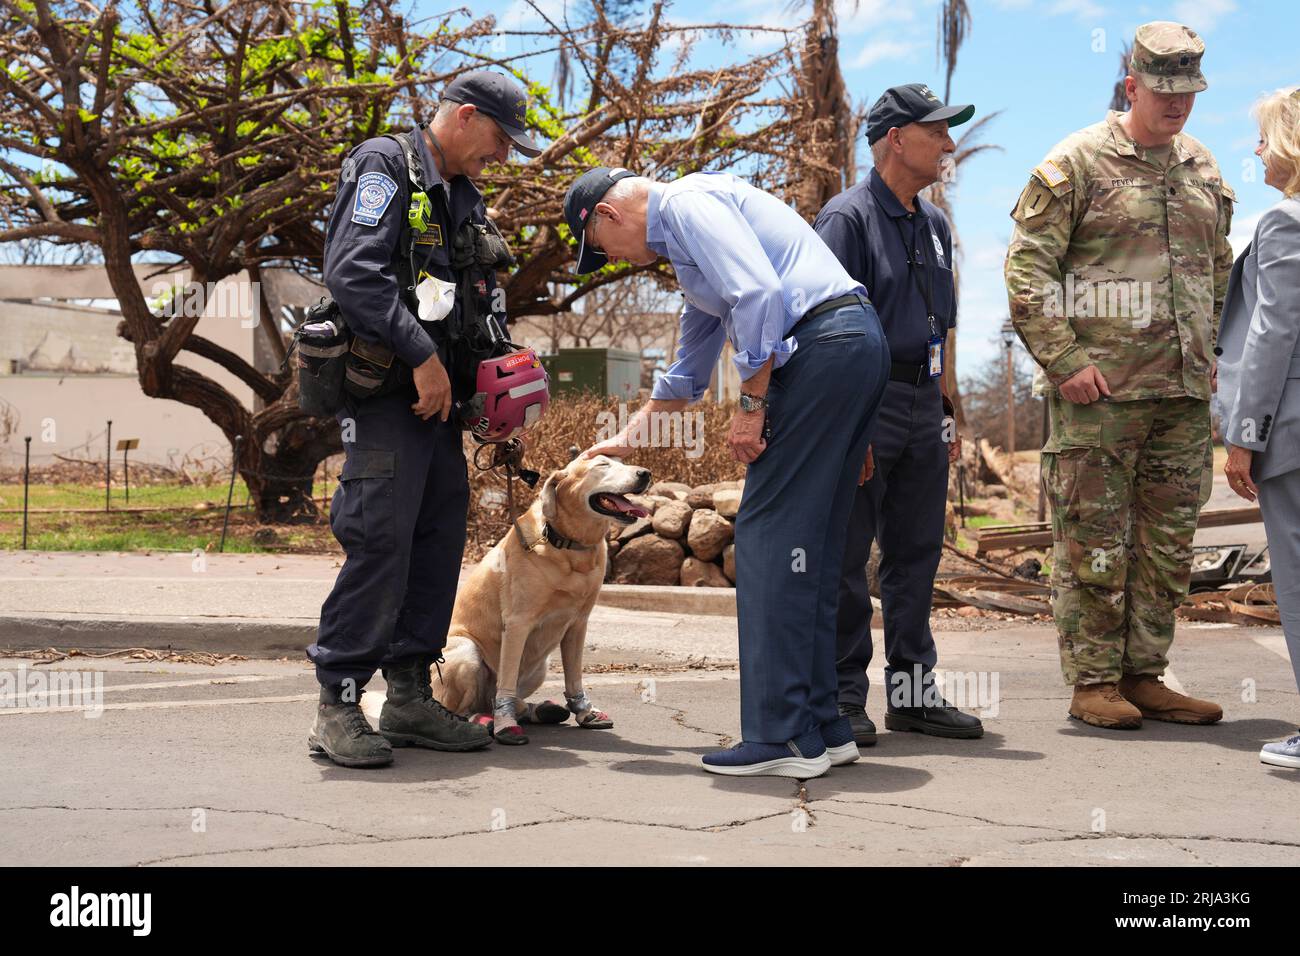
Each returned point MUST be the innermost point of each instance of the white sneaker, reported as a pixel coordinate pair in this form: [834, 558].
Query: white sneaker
[1284, 754]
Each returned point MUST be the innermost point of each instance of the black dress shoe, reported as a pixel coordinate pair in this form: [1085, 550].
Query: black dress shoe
[864, 731]
[942, 721]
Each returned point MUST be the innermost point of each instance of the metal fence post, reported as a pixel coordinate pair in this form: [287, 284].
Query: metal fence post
[108, 463]
[27, 477]
[234, 469]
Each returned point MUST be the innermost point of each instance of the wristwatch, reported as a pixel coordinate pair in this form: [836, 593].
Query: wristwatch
[752, 403]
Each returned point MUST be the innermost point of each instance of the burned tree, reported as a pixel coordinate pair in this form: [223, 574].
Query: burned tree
[210, 138]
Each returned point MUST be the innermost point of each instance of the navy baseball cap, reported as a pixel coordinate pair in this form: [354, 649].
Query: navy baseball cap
[913, 103]
[587, 190]
[498, 96]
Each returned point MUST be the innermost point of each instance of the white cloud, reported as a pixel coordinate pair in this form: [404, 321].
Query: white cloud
[1243, 231]
[521, 16]
[878, 50]
[1203, 15]
[852, 19]
[1080, 9]
[870, 15]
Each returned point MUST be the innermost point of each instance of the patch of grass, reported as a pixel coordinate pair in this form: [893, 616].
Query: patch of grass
[182, 530]
[145, 496]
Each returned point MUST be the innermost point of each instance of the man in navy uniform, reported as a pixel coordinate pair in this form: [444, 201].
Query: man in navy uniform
[399, 511]
[900, 248]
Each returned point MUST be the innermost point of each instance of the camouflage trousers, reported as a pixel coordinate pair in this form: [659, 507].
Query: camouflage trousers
[1126, 481]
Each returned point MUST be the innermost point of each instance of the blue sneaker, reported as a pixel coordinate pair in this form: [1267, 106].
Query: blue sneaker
[804, 757]
[841, 747]
[1285, 754]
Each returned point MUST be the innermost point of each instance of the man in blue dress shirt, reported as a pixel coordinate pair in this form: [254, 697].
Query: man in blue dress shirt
[813, 363]
[899, 246]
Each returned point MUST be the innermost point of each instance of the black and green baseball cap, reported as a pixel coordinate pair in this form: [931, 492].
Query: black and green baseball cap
[500, 97]
[912, 103]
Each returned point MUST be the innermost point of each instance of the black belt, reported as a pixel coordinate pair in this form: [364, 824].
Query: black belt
[910, 374]
[839, 302]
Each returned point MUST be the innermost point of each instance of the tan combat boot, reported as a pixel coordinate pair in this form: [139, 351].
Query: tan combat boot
[1155, 700]
[1102, 706]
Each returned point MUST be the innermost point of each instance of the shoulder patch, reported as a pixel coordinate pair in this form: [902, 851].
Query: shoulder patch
[1051, 174]
[374, 192]
[1038, 205]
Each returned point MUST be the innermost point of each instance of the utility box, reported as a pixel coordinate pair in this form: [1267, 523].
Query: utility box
[613, 372]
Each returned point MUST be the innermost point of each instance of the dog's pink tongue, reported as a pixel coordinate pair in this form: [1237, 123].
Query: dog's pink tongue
[619, 503]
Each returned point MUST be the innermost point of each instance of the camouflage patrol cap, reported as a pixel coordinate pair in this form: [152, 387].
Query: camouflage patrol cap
[1167, 58]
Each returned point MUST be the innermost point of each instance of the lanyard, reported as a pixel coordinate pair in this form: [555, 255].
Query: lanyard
[927, 291]
[915, 265]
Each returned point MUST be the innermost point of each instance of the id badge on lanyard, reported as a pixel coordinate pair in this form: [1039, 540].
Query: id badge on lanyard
[934, 350]
[915, 264]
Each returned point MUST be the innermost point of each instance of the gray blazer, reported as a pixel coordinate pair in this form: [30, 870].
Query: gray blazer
[1259, 337]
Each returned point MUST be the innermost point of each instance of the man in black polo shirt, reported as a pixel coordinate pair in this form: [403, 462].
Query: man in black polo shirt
[899, 247]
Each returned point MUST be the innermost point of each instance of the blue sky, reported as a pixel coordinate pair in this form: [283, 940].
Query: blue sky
[1048, 65]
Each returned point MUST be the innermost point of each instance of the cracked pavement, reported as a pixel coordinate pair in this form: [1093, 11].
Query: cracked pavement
[195, 765]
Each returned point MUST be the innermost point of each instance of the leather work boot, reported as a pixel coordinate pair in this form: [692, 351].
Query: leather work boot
[412, 718]
[864, 729]
[1155, 700]
[343, 734]
[1102, 705]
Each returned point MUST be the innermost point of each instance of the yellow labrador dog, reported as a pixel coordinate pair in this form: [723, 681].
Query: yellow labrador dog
[532, 593]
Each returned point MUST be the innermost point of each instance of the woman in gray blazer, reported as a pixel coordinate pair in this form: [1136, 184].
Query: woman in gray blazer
[1259, 374]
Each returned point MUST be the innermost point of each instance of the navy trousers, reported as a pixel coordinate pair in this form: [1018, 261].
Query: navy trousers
[399, 513]
[901, 507]
[793, 516]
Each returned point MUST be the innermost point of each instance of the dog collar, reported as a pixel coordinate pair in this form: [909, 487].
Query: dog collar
[560, 541]
[553, 537]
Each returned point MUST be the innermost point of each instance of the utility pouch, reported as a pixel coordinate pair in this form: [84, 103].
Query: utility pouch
[322, 344]
[368, 368]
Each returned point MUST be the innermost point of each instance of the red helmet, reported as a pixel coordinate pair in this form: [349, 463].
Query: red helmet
[512, 394]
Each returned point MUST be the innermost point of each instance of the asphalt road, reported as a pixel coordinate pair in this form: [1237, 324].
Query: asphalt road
[189, 764]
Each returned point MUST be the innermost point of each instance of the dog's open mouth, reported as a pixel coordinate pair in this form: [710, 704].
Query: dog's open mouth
[617, 507]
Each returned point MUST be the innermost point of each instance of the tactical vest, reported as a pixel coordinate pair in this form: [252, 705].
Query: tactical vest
[470, 333]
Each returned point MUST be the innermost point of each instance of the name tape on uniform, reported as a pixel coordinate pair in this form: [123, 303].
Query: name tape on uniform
[430, 237]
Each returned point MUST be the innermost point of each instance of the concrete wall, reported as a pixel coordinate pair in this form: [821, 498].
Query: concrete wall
[84, 373]
[57, 336]
[78, 406]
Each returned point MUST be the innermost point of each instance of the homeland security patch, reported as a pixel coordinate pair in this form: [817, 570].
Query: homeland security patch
[374, 192]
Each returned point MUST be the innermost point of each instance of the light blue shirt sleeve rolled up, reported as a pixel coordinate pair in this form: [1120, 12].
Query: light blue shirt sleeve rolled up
[750, 268]
[699, 345]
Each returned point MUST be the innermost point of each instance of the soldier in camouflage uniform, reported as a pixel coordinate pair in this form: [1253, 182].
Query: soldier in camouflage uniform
[1116, 274]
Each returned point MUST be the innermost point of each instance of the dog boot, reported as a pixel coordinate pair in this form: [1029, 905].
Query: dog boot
[343, 734]
[586, 715]
[547, 712]
[413, 718]
[505, 723]
[1103, 706]
[1155, 700]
